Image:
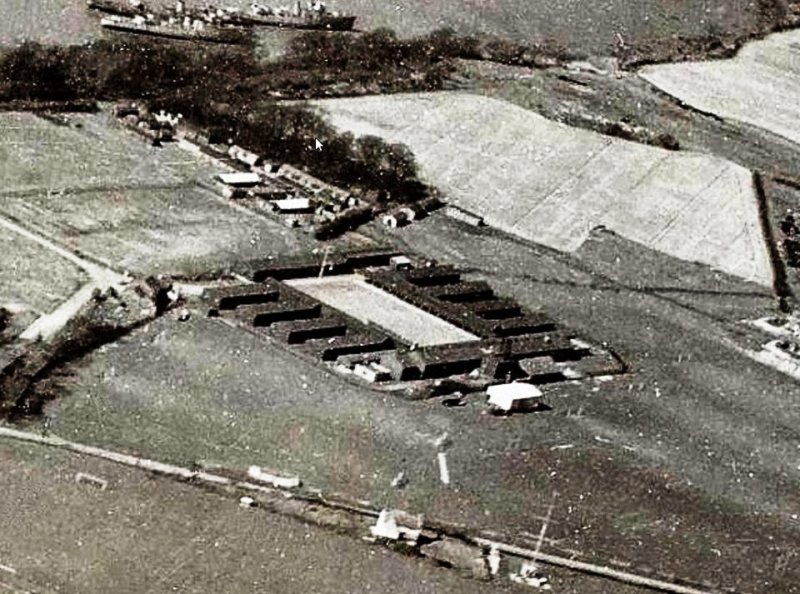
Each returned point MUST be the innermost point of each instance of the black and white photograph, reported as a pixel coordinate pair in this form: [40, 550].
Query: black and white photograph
[399, 296]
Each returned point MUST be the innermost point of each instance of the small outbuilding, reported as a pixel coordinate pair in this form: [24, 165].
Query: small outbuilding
[292, 205]
[400, 262]
[516, 396]
[395, 220]
[240, 179]
[244, 156]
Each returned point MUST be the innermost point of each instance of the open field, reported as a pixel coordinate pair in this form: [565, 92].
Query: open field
[690, 453]
[760, 86]
[32, 281]
[147, 534]
[105, 192]
[371, 305]
[552, 184]
[93, 151]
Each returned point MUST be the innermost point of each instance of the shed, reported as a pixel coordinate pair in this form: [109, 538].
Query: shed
[515, 396]
[372, 372]
[126, 108]
[244, 156]
[410, 213]
[239, 179]
[400, 262]
[233, 192]
[394, 220]
[292, 205]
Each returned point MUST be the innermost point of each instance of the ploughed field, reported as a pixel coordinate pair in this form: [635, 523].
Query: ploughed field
[552, 184]
[759, 86]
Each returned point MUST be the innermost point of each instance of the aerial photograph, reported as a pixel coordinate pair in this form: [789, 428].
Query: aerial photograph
[400, 296]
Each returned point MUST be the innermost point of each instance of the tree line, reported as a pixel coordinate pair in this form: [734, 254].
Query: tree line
[226, 89]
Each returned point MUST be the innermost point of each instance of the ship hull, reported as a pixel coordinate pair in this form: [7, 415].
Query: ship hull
[222, 37]
[331, 23]
[325, 22]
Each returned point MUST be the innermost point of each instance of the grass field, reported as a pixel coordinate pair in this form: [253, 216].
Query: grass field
[93, 151]
[104, 191]
[150, 534]
[683, 441]
[552, 184]
[371, 305]
[759, 86]
[32, 280]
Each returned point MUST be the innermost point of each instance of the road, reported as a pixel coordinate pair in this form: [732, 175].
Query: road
[48, 325]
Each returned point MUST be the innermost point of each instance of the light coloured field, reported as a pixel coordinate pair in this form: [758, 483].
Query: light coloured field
[94, 151]
[552, 184]
[32, 280]
[102, 190]
[371, 305]
[760, 86]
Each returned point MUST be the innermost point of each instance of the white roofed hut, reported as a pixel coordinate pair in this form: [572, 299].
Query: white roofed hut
[514, 397]
[242, 179]
[293, 206]
[244, 156]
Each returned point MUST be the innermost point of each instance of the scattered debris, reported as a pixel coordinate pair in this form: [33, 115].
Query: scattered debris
[529, 575]
[90, 479]
[393, 524]
[281, 482]
[457, 554]
[456, 399]
[400, 480]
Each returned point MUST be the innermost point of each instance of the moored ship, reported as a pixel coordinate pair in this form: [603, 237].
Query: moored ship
[193, 30]
[314, 15]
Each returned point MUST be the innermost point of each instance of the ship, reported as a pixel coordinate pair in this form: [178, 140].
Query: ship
[172, 29]
[315, 16]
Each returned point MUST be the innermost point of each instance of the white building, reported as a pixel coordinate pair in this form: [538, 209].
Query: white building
[240, 179]
[292, 205]
[516, 396]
